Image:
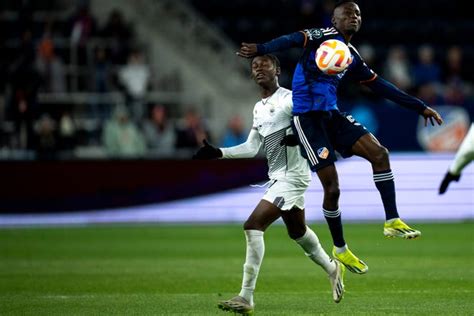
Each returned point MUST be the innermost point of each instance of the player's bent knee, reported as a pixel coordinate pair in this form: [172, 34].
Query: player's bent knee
[381, 155]
[296, 232]
[332, 193]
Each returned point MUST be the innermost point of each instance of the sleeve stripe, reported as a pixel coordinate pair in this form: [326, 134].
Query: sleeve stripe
[305, 38]
[371, 79]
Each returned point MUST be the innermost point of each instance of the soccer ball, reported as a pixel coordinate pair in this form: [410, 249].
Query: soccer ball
[333, 57]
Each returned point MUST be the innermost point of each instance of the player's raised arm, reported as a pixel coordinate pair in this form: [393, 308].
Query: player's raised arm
[249, 50]
[387, 90]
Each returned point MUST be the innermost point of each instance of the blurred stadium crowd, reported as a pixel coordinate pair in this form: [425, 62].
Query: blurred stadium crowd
[73, 87]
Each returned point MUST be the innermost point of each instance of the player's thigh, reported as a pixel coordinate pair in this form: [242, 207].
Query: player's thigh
[346, 133]
[264, 214]
[315, 143]
[368, 147]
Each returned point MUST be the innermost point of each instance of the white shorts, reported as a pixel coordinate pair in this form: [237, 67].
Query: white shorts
[285, 195]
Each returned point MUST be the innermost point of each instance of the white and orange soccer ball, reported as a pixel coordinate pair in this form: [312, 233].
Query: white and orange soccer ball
[333, 57]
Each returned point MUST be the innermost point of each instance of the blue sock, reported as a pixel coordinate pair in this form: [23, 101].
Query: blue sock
[333, 217]
[386, 186]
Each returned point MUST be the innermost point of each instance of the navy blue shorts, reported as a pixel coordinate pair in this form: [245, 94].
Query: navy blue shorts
[321, 133]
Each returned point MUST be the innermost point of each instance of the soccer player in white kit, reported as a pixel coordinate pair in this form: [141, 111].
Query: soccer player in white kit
[289, 175]
[464, 156]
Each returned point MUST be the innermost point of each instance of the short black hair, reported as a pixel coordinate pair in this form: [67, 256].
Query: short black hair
[341, 2]
[273, 58]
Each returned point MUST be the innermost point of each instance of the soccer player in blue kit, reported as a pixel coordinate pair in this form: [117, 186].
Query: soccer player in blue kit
[323, 129]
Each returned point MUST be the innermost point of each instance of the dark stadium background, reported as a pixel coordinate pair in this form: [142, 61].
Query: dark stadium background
[51, 155]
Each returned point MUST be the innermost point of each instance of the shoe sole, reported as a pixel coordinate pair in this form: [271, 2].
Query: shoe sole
[232, 310]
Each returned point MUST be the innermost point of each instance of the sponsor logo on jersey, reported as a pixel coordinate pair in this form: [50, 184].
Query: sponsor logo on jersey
[314, 34]
[323, 152]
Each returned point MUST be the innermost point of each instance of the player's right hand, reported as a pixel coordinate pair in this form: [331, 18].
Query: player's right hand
[247, 50]
[207, 151]
[431, 114]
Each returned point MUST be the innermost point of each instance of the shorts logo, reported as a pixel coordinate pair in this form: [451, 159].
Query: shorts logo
[323, 152]
[350, 118]
[279, 201]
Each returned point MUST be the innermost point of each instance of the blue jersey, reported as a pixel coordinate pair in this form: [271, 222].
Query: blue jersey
[314, 90]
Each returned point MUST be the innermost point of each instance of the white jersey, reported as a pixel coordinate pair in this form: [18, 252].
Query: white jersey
[271, 122]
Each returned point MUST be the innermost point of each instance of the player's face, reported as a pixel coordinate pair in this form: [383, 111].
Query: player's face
[347, 18]
[264, 70]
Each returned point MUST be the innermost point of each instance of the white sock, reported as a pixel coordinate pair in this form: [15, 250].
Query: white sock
[313, 249]
[341, 249]
[391, 220]
[465, 153]
[253, 260]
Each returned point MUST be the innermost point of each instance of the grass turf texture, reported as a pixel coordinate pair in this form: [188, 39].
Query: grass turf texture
[186, 270]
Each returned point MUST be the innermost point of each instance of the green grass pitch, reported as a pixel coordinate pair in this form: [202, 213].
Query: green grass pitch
[186, 270]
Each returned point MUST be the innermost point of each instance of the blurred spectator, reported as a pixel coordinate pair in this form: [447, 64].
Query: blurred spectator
[119, 34]
[102, 70]
[83, 27]
[134, 79]
[121, 138]
[102, 82]
[397, 68]
[66, 131]
[46, 137]
[160, 134]
[49, 65]
[191, 131]
[24, 81]
[235, 133]
[453, 69]
[426, 70]
[368, 54]
[430, 94]
[454, 93]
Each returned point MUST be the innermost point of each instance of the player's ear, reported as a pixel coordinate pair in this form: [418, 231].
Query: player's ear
[333, 20]
[278, 71]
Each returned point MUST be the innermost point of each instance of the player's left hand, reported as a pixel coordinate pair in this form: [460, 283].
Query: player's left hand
[430, 114]
[207, 151]
[247, 50]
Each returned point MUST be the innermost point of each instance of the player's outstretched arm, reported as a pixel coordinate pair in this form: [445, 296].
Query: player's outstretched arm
[207, 151]
[389, 91]
[249, 50]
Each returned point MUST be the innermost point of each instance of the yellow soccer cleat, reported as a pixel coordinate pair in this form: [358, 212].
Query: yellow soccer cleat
[352, 263]
[398, 228]
[236, 305]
